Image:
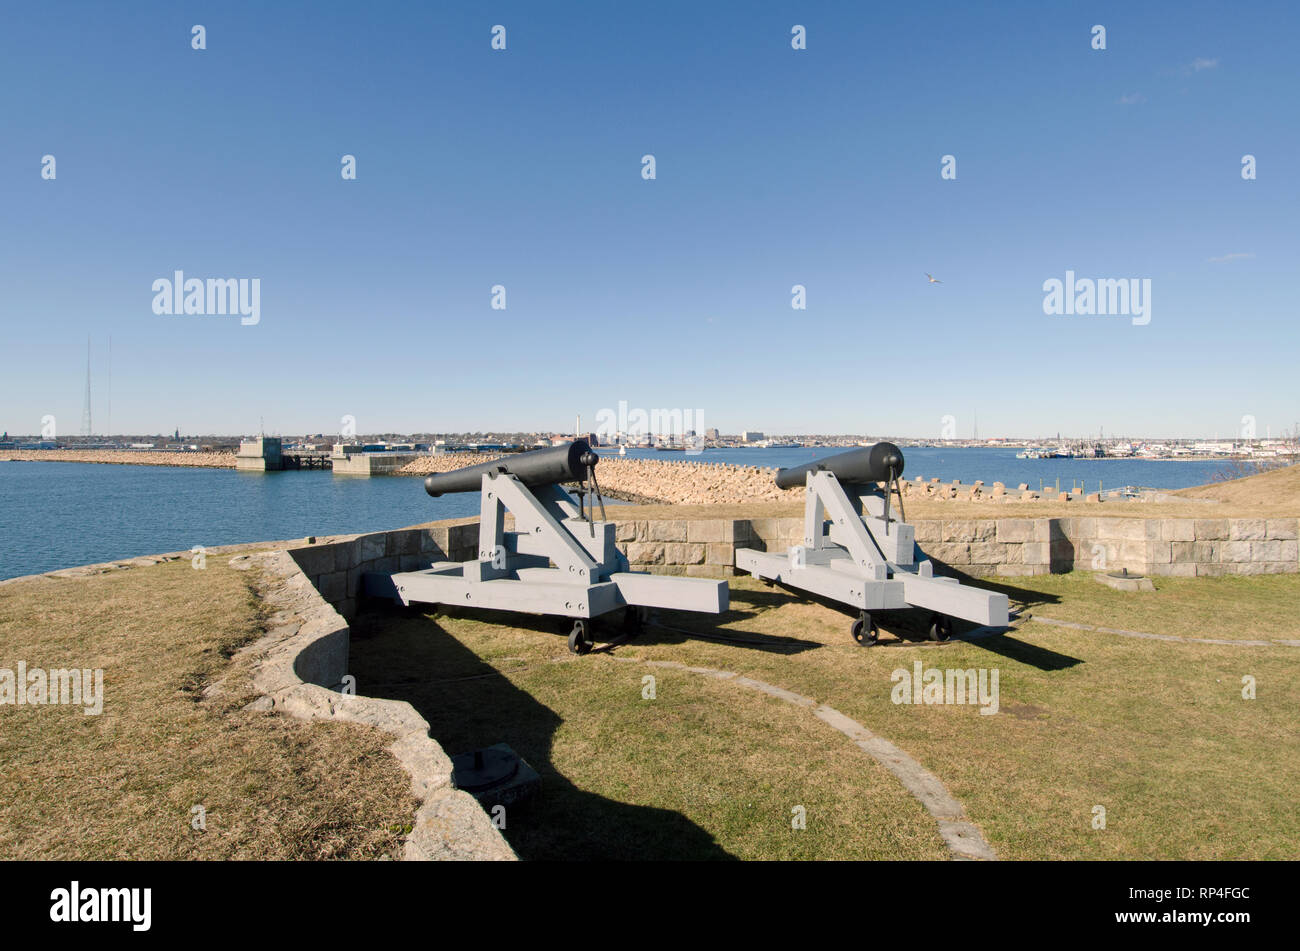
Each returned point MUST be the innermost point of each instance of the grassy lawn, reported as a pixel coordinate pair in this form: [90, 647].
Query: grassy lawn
[1157, 733]
[121, 784]
[1236, 607]
[705, 770]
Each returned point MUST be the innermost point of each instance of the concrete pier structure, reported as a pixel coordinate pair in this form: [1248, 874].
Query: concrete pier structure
[349, 459]
[262, 454]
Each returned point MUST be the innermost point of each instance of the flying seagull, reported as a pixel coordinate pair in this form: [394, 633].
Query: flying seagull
[933, 280]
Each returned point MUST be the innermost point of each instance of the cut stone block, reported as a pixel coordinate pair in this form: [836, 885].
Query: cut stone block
[1211, 529]
[1247, 529]
[1015, 529]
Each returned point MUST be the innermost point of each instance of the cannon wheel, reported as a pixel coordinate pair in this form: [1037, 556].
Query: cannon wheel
[864, 630]
[940, 627]
[580, 637]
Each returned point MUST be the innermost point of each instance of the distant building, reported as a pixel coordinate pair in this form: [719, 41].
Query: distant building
[711, 434]
[751, 435]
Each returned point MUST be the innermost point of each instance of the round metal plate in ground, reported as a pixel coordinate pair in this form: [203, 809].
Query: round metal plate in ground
[483, 769]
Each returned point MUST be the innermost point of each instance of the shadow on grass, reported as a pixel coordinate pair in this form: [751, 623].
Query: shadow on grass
[909, 627]
[1042, 658]
[402, 655]
[1026, 596]
[671, 628]
[1004, 644]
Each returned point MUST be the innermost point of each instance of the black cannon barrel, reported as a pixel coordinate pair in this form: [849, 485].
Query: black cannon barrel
[875, 463]
[539, 467]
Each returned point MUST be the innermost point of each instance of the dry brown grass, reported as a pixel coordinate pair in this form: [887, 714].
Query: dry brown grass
[1278, 488]
[121, 785]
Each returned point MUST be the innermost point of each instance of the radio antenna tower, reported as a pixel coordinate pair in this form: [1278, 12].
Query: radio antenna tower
[85, 411]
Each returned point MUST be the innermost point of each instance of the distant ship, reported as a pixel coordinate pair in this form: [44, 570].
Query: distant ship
[1039, 453]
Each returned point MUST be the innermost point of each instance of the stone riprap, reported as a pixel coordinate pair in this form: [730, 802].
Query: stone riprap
[687, 482]
[123, 457]
[979, 491]
[680, 482]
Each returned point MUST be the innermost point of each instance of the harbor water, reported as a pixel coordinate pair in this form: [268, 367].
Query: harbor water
[60, 514]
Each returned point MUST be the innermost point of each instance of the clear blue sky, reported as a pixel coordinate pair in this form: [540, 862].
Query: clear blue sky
[775, 167]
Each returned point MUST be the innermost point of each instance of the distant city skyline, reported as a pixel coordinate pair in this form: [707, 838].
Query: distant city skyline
[887, 219]
[1247, 429]
[1288, 433]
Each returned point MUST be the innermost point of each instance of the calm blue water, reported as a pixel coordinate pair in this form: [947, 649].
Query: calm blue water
[59, 514]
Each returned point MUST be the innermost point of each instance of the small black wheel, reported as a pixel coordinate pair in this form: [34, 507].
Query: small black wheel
[940, 627]
[864, 630]
[580, 638]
